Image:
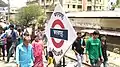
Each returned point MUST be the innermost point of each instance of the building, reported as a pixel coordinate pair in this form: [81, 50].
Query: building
[4, 13]
[2, 10]
[78, 5]
[95, 19]
[107, 22]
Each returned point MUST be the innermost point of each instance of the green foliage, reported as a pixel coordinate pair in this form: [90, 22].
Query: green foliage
[29, 13]
[11, 21]
[118, 3]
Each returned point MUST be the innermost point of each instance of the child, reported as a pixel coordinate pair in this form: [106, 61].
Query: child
[51, 60]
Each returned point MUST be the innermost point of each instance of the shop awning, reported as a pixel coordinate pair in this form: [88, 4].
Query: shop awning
[2, 4]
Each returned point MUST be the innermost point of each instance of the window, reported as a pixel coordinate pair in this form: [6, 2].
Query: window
[68, 6]
[73, 6]
[47, 1]
[111, 3]
[16, 10]
[74, 0]
[88, 0]
[96, 6]
[100, 7]
[89, 8]
[42, 1]
[79, 6]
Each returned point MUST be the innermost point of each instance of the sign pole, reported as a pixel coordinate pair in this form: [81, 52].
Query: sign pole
[60, 65]
[64, 61]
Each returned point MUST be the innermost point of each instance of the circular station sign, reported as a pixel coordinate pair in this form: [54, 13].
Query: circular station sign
[56, 44]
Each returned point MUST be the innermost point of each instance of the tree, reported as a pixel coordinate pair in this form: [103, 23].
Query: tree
[118, 3]
[28, 14]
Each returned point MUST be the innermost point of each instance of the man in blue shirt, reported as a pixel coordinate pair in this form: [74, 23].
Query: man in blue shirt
[24, 53]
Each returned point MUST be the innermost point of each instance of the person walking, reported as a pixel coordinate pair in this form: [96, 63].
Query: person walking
[93, 49]
[38, 52]
[78, 47]
[20, 36]
[104, 50]
[12, 36]
[3, 43]
[24, 53]
[51, 60]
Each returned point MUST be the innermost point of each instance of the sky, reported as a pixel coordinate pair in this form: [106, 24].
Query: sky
[21, 3]
[16, 3]
[113, 1]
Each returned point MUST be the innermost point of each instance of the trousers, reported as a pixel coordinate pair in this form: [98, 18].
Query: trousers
[79, 59]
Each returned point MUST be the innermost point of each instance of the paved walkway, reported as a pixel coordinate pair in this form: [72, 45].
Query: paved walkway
[114, 59]
[10, 64]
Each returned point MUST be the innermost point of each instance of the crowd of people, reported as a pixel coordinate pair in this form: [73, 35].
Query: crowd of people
[29, 53]
[18, 44]
[94, 46]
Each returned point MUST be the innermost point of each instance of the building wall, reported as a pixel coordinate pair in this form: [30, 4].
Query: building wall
[95, 4]
[72, 5]
[79, 5]
[96, 22]
[86, 4]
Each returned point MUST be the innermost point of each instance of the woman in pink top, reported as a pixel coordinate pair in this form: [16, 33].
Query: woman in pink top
[38, 51]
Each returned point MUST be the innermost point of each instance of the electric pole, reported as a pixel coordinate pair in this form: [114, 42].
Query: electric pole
[8, 10]
[45, 7]
[94, 5]
[61, 2]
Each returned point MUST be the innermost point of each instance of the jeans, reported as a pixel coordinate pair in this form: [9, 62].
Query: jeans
[79, 59]
[11, 50]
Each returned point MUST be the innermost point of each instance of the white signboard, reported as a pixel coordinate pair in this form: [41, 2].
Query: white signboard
[60, 33]
[3, 9]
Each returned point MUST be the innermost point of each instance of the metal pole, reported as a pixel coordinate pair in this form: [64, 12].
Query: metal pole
[64, 62]
[8, 10]
[61, 2]
[45, 7]
[60, 64]
[94, 4]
